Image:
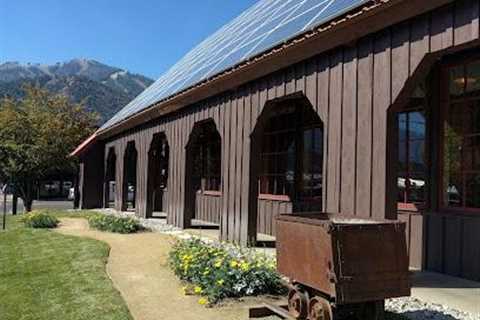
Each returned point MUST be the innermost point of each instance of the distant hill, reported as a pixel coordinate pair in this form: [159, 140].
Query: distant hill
[104, 89]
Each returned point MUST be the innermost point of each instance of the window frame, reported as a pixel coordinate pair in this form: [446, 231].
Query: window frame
[209, 139]
[415, 105]
[446, 102]
[297, 130]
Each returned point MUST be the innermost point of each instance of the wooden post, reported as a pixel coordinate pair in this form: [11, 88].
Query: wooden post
[4, 190]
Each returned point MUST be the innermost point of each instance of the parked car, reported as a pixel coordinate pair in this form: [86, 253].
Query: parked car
[71, 194]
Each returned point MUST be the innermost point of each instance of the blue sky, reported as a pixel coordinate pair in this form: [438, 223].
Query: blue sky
[142, 36]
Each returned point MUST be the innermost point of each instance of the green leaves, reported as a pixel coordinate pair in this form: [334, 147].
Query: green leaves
[40, 220]
[113, 224]
[220, 271]
[37, 133]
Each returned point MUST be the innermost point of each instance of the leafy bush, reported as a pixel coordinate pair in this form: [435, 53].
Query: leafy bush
[40, 220]
[113, 224]
[219, 271]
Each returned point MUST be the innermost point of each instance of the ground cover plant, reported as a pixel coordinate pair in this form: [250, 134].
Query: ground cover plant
[40, 220]
[217, 271]
[112, 223]
[49, 276]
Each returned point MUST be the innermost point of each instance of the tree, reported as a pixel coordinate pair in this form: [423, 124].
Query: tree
[37, 133]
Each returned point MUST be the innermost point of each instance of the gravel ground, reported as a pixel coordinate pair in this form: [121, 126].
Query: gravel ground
[418, 310]
[410, 308]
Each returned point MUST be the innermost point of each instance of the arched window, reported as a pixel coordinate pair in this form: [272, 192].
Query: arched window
[292, 156]
[129, 176]
[110, 177]
[207, 158]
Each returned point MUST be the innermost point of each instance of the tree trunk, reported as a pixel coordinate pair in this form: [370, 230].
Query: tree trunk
[27, 194]
[14, 202]
[27, 203]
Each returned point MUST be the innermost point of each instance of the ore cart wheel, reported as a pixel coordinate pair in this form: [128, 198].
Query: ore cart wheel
[374, 310]
[319, 309]
[298, 303]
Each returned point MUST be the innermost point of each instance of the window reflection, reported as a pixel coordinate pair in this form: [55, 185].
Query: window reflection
[411, 157]
[461, 141]
[292, 157]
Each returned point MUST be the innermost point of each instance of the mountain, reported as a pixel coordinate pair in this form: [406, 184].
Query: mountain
[104, 89]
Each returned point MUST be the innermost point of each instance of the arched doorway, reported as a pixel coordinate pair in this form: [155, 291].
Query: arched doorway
[109, 181]
[286, 163]
[203, 176]
[129, 177]
[158, 157]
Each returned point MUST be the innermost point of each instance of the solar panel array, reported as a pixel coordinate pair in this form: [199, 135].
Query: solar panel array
[263, 26]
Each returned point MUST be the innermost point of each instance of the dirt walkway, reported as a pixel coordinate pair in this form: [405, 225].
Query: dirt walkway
[138, 268]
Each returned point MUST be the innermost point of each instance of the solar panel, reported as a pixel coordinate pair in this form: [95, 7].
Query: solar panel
[263, 26]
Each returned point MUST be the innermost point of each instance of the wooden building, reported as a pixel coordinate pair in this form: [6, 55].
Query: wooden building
[373, 111]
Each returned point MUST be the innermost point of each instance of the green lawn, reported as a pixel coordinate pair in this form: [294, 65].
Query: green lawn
[46, 276]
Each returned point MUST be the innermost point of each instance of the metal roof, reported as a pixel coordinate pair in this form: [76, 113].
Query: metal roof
[263, 26]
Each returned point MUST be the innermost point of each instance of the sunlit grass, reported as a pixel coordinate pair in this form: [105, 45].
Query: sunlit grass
[46, 275]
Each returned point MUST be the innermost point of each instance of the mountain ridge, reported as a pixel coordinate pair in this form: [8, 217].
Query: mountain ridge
[104, 89]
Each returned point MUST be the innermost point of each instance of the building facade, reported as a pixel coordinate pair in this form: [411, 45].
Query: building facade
[375, 113]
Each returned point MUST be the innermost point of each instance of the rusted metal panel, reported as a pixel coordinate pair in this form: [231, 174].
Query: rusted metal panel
[349, 259]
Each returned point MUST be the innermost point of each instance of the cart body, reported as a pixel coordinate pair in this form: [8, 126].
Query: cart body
[345, 259]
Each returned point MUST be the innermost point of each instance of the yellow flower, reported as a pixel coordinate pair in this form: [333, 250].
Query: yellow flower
[206, 272]
[202, 301]
[233, 264]
[220, 282]
[197, 290]
[244, 266]
[218, 264]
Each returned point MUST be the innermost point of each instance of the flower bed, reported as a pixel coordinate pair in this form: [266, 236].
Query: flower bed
[217, 271]
[113, 224]
[40, 220]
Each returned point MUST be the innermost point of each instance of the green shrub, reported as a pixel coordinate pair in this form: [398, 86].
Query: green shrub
[40, 220]
[219, 271]
[113, 224]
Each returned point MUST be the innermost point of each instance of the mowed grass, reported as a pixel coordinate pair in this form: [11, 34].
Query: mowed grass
[47, 276]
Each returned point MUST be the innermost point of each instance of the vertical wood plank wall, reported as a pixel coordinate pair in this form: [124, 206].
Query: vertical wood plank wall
[91, 178]
[351, 88]
[207, 208]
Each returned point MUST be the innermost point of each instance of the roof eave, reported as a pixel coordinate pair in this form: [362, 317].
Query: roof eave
[84, 146]
[341, 31]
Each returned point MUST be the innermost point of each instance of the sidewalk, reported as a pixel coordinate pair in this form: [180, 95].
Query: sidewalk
[449, 291]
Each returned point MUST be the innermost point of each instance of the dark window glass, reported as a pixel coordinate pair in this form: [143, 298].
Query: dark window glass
[411, 157]
[207, 162]
[292, 156]
[457, 80]
[461, 155]
[473, 77]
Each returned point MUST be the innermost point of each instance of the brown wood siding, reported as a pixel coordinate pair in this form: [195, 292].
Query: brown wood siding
[91, 178]
[267, 211]
[208, 208]
[415, 237]
[351, 89]
[452, 245]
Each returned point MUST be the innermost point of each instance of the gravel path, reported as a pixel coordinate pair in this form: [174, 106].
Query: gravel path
[418, 310]
[411, 308]
[138, 268]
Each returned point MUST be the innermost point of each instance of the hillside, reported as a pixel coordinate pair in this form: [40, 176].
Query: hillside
[103, 88]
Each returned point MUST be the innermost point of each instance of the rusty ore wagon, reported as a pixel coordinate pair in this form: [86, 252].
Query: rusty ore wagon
[340, 265]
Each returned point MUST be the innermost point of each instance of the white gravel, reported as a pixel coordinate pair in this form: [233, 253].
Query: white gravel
[408, 307]
[418, 310]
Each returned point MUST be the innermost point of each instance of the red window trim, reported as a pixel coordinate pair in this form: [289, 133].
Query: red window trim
[274, 197]
[408, 206]
[213, 193]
